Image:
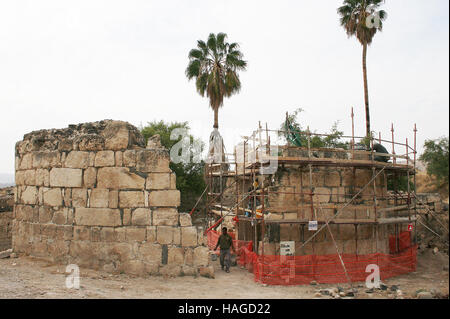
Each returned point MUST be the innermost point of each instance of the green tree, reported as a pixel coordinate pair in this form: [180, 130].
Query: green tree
[354, 18]
[436, 158]
[214, 65]
[190, 180]
[332, 140]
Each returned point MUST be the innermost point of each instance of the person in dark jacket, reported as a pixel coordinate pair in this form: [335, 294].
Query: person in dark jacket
[225, 242]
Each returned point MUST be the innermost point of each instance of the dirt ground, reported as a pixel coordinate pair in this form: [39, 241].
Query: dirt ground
[25, 277]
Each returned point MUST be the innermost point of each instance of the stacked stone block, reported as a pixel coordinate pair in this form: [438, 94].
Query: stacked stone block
[6, 217]
[93, 195]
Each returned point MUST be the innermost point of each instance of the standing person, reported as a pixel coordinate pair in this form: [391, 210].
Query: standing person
[225, 242]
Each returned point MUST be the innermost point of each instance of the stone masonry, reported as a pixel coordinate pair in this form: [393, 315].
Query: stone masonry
[94, 195]
[6, 216]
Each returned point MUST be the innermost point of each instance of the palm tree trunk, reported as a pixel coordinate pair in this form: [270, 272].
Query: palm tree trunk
[216, 117]
[366, 90]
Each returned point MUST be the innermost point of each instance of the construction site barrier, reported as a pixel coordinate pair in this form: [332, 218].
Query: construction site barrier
[323, 269]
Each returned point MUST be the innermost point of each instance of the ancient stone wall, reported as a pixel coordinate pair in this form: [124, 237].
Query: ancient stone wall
[6, 216]
[93, 194]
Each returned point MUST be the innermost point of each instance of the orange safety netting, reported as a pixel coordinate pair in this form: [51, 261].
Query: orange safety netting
[327, 269]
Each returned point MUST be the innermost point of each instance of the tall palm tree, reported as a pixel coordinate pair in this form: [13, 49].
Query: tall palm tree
[356, 16]
[215, 65]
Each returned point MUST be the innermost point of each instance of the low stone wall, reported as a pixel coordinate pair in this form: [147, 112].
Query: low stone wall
[6, 217]
[93, 195]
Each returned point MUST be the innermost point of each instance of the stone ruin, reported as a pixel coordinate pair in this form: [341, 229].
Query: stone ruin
[6, 217]
[95, 195]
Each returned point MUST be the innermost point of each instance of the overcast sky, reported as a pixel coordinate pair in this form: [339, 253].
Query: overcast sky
[67, 62]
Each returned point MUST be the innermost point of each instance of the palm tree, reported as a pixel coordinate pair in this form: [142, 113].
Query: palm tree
[356, 16]
[215, 65]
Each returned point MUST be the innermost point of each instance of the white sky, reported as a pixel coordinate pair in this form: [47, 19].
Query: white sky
[67, 62]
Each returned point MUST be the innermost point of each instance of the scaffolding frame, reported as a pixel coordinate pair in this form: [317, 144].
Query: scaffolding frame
[257, 152]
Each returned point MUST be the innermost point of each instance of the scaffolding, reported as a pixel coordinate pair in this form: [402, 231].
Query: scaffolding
[249, 181]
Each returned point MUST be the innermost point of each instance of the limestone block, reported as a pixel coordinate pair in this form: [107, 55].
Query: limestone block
[133, 267]
[189, 236]
[201, 238]
[173, 181]
[26, 162]
[27, 177]
[131, 199]
[60, 216]
[164, 234]
[170, 270]
[48, 230]
[104, 158]
[151, 234]
[201, 256]
[99, 198]
[118, 156]
[77, 159]
[185, 220]
[64, 232]
[129, 158]
[39, 249]
[154, 161]
[349, 246]
[45, 214]
[120, 234]
[346, 232]
[97, 217]
[42, 177]
[26, 213]
[332, 179]
[81, 233]
[53, 197]
[141, 217]
[46, 159]
[177, 236]
[176, 256]
[107, 234]
[79, 197]
[116, 136]
[113, 199]
[151, 253]
[189, 256]
[165, 217]
[323, 194]
[158, 181]
[65, 177]
[30, 195]
[135, 234]
[118, 178]
[167, 198]
[126, 219]
[90, 177]
[189, 270]
[207, 272]
[290, 216]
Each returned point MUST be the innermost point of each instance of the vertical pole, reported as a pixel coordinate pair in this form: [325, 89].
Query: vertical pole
[236, 182]
[374, 182]
[379, 138]
[310, 174]
[415, 199]
[407, 177]
[243, 181]
[267, 141]
[353, 134]
[394, 159]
